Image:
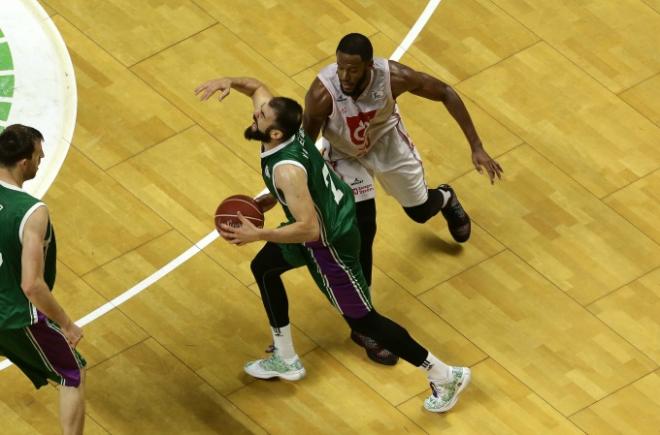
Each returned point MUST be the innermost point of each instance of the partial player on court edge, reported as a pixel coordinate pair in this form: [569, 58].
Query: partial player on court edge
[36, 334]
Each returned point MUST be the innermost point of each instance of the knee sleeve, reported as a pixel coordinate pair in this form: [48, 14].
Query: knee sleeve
[267, 268]
[423, 212]
[390, 335]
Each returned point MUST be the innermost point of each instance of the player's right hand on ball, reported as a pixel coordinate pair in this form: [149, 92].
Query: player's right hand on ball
[207, 89]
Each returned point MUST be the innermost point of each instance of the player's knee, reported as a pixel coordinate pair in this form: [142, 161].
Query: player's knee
[423, 212]
[364, 324]
[258, 267]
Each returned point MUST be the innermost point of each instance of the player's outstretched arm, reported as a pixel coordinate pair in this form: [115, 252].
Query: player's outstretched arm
[245, 85]
[405, 79]
[32, 272]
[318, 107]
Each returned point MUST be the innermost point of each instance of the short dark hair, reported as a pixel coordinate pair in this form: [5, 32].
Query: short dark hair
[288, 115]
[356, 43]
[17, 142]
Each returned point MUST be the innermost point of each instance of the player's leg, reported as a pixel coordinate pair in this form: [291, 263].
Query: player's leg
[337, 271]
[366, 220]
[352, 172]
[403, 178]
[267, 268]
[443, 199]
[446, 381]
[72, 407]
[42, 352]
[365, 212]
[70, 366]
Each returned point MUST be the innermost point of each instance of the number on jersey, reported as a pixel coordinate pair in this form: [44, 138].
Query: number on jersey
[338, 194]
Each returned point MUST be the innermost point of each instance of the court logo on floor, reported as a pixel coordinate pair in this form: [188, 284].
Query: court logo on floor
[37, 83]
[6, 80]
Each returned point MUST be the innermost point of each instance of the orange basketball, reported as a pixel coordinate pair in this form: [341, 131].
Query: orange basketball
[226, 211]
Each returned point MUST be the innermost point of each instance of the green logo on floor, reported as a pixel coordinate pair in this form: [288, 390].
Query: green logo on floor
[6, 80]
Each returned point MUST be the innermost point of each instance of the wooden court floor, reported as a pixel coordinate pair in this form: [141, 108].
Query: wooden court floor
[554, 303]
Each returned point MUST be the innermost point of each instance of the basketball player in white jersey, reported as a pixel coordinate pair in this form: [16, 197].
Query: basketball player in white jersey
[353, 103]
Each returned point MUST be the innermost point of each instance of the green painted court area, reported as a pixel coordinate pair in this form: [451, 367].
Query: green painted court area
[7, 86]
[5, 57]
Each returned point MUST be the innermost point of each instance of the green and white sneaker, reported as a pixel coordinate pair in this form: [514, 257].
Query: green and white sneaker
[445, 395]
[275, 366]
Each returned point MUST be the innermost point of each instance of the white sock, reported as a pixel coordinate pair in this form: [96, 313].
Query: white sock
[284, 343]
[435, 369]
[446, 196]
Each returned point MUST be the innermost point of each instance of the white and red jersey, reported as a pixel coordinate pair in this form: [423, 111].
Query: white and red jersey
[392, 157]
[373, 114]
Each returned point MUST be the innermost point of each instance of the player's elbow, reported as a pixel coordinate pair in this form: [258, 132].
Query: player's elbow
[312, 231]
[30, 288]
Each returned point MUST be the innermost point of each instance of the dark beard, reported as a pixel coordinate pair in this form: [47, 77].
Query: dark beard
[358, 87]
[255, 134]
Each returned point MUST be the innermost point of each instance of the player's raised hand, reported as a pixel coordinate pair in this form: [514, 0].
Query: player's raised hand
[481, 160]
[207, 89]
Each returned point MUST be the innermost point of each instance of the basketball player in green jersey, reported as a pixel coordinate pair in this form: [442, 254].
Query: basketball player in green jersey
[36, 334]
[322, 234]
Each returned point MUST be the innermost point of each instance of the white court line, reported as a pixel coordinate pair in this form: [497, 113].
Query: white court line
[415, 30]
[199, 246]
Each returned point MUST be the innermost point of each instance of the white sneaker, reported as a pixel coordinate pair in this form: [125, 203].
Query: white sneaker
[445, 395]
[274, 366]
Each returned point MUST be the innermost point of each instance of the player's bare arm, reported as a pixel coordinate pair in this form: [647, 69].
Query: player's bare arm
[32, 272]
[318, 107]
[405, 79]
[291, 181]
[245, 85]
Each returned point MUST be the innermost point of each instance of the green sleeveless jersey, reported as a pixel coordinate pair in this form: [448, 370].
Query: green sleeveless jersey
[332, 197]
[16, 206]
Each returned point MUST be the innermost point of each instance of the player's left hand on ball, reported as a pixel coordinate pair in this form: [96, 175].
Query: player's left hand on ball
[247, 232]
[227, 232]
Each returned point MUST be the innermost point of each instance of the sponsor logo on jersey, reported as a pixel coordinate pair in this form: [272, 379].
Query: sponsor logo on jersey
[358, 126]
[357, 181]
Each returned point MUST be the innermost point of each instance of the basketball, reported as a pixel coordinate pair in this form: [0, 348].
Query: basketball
[226, 211]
